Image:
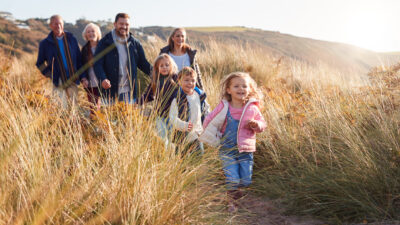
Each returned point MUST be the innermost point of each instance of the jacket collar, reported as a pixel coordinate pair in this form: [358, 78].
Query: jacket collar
[251, 101]
[50, 36]
[109, 39]
[191, 52]
[201, 93]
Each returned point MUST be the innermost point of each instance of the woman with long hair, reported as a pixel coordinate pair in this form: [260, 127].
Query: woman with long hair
[182, 53]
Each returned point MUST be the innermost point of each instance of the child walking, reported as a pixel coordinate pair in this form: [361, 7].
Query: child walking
[233, 125]
[161, 88]
[187, 112]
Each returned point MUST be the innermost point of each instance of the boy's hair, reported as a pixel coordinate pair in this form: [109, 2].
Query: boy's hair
[187, 71]
[121, 15]
[173, 69]
[96, 29]
[171, 42]
[226, 82]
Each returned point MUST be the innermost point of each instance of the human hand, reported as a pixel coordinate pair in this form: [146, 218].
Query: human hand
[252, 124]
[85, 82]
[106, 84]
[190, 126]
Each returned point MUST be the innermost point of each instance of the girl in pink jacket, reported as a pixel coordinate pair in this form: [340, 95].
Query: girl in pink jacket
[233, 126]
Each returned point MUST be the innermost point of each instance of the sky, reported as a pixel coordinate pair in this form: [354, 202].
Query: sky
[370, 24]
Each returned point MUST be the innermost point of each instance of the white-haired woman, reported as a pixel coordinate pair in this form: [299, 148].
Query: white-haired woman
[92, 35]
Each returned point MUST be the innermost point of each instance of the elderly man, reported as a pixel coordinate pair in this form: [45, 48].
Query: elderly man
[120, 54]
[59, 58]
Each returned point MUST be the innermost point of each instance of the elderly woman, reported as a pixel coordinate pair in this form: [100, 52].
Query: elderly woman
[92, 35]
[182, 53]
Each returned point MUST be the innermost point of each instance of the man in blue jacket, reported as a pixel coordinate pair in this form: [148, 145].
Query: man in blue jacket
[59, 58]
[119, 55]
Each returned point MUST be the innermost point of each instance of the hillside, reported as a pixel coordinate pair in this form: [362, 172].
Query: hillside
[338, 56]
[330, 154]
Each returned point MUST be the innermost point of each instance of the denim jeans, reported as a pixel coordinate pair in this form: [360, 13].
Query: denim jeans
[238, 168]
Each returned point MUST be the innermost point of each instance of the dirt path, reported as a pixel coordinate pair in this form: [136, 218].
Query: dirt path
[258, 210]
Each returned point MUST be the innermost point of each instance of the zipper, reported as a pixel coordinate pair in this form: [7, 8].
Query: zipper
[240, 121]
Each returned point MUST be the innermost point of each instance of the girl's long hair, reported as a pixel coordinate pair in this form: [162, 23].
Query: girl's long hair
[173, 69]
[254, 92]
[171, 42]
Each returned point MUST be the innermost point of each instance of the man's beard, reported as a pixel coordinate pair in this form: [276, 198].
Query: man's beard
[120, 34]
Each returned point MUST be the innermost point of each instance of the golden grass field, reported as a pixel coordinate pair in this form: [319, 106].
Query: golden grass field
[331, 149]
[218, 29]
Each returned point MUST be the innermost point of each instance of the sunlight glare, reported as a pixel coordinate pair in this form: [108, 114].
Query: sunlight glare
[368, 28]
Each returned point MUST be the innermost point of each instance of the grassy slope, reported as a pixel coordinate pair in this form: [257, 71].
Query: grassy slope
[331, 149]
[337, 56]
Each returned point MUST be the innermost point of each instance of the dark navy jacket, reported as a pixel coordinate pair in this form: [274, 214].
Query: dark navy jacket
[47, 57]
[107, 66]
[164, 95]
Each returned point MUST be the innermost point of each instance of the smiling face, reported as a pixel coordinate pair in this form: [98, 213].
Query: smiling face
[57, 26]
[164, 67]
[239, 89]
[179, 38]
[122, 27]
[91, 34]
[188, 83]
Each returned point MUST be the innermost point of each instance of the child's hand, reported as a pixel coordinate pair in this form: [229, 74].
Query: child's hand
[190, 126]
[252, 124]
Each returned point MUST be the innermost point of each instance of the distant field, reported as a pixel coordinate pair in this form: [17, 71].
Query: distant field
[217, 29]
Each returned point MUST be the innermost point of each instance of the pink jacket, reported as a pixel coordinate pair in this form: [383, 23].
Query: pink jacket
[215, 123]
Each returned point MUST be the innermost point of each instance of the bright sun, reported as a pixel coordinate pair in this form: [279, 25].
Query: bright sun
[369, 27]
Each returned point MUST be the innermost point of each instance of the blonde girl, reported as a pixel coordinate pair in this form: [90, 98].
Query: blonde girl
[233, 126]
[160, 89]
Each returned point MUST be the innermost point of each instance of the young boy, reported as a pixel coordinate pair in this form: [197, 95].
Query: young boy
[187, 112]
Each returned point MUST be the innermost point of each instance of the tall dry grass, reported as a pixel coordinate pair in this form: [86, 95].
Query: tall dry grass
[331, 149]
[57, 167]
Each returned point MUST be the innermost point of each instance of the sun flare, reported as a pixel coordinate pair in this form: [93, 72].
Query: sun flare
[369, 27]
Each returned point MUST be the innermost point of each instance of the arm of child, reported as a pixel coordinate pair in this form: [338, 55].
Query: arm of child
[206, 110]
[175, 121]
[257, 124]
[147, 95]
[212, 114]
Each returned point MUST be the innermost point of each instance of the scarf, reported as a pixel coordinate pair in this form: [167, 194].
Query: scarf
[70, 65]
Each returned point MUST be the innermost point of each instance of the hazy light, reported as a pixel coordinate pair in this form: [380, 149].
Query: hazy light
[370, 26]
